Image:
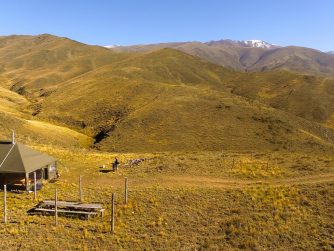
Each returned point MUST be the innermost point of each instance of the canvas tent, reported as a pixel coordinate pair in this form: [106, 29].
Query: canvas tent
[19, 162]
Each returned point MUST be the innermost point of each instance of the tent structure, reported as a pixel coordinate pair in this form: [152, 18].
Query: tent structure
[18, 163]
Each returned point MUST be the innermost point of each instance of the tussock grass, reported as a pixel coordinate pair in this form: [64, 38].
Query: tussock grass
[180, 201]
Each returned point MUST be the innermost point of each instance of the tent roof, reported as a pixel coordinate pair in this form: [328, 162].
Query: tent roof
[19, 158]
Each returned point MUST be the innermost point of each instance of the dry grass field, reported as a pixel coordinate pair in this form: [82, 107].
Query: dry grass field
[184, 201]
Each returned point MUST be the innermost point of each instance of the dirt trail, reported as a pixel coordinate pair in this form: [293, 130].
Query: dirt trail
[193, 181]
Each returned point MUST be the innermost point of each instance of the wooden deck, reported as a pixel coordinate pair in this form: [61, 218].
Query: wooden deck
[69, 208]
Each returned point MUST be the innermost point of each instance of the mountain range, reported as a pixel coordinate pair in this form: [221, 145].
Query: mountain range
[152, 98]
[250, 55]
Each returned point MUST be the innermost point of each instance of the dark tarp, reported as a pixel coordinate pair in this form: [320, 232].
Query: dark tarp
[19, 158]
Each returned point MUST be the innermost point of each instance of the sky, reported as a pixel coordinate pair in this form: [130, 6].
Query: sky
[308, 23]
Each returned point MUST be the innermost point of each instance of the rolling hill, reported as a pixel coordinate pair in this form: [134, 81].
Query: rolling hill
[33, 65]
[15, 114]
[309, 97]
[161, 100]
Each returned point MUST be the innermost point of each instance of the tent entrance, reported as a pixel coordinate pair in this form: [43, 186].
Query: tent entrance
[14, 181]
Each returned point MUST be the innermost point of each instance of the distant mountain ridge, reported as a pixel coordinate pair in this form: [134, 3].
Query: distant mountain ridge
[250, 55]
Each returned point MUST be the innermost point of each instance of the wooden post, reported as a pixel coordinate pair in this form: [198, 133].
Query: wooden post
[13, 137]
[126, 191]
[267, 165]
[56, 207]
[35, 186]
[252, 156]
[233, 163]
[5, 204]
[80, 188]
[27, 181]
[112, 220]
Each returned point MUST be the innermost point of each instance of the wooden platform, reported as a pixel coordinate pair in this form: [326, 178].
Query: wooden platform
[69, 208]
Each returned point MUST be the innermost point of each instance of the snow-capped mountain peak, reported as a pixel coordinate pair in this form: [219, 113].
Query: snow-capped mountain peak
[245, 43]
[257, 44]
[111, 46]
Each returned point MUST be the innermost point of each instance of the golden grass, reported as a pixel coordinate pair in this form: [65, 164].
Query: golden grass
[174, 205]
[183, 201]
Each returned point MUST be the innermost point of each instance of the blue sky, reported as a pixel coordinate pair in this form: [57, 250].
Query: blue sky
[307, 23]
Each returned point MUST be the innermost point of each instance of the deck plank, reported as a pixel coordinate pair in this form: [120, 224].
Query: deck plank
[65, 211]
[69, 207]
[71, 204]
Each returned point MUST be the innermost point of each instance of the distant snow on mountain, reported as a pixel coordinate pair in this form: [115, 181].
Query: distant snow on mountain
[257, 44]
[111, 46]
[331, 52]
[245, 43]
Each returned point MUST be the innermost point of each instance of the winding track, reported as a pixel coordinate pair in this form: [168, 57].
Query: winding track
[194, 181]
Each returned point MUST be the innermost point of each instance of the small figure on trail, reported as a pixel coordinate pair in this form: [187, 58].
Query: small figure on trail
[115, 164]
[57, 174]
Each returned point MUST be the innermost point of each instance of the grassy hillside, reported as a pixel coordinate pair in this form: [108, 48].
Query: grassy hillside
[168, 100]
[15, 114]
[159, 101]
[309, 97]
[296, 59]
[35, 65]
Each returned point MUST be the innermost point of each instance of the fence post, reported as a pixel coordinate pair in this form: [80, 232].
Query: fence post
[35, 186]
[80, 188]
[5, 204]
[112, 220]
[56, 207]
[126, 191]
